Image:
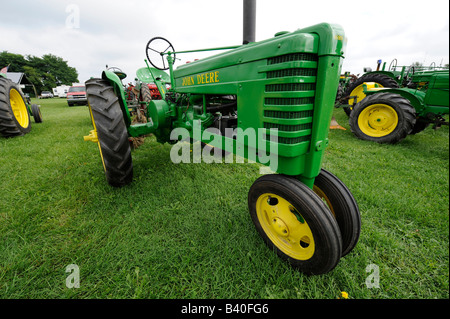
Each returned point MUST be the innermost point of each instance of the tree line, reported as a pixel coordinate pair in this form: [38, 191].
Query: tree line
[45, 73]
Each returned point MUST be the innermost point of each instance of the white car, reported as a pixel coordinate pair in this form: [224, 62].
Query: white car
[46, 95]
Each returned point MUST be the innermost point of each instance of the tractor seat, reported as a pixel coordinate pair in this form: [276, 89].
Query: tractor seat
[120, 74]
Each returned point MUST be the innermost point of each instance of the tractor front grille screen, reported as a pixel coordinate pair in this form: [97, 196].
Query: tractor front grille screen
[291, 72]
[288, 128]
[289, 99]
[293, 57]
[290, 87]
[288, 115]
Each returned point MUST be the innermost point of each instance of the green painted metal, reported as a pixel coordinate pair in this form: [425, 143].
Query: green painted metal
[399, 73]
[148, 75]
[430, 95]
[288, 82]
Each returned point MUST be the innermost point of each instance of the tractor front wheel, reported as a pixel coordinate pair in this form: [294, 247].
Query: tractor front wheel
[14, 116]
[296, 223]
[342, 205]
[383, 118]
[109, 132]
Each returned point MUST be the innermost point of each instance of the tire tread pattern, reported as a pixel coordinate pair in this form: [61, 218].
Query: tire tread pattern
[9, 127]
[111, 131]
[405, 112]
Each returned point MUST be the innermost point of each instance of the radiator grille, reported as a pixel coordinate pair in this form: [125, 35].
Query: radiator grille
[292, 57]
[283, 101]
[288, 128]
[290, 109]
[291, 87]
[288, 115]
[291, 72]
[290, 140]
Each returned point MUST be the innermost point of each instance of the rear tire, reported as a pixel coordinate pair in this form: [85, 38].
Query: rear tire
[36, 110]
[383, 118]
[14, 116]
[420, 125]
[107, 120]
[146, 95]
[295, 223]
[357, 89]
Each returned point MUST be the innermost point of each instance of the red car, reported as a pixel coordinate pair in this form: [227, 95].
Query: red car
[77, 95]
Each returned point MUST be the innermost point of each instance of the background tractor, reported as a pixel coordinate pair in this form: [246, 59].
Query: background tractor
[351, 88]
[388, 115]
[143, 91]
[284, 88]
[391, 104]
[15, 112]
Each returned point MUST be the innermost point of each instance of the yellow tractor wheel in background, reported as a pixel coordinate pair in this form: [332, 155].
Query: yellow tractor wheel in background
[383, 118]
[14, 116]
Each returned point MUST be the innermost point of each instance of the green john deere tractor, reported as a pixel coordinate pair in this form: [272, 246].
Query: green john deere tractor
[391, 104]
[282, 90]
[351, 88]
[15, 112]
[388, 115]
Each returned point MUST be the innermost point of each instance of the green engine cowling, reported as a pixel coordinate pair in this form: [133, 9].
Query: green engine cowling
[287, 83]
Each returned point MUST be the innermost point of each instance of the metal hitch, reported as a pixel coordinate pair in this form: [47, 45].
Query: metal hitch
[92, 136]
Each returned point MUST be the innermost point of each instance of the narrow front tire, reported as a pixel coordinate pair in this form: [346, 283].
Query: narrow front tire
[295, 223]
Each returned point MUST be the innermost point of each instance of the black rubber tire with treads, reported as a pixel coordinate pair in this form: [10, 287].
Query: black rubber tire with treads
[343, 206]
[382, 79]
[111, 131]
[36, 110]
[9, 126]
[405, 112]
[324, 228]
[146, 96]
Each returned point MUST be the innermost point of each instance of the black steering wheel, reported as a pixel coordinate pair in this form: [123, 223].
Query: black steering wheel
[407, 80]
[156, 51]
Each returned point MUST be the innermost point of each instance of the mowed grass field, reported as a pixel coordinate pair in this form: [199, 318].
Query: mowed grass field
[184, 230]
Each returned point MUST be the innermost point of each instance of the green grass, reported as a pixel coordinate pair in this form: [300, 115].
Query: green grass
[184, 231]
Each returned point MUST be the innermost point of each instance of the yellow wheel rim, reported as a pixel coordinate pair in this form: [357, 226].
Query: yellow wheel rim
[19, 108]
[359, 93]
[285, 226]
[378, 120]
[324, 198]
[94, 134]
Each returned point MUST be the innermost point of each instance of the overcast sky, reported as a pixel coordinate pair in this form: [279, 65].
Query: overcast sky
[90, 34]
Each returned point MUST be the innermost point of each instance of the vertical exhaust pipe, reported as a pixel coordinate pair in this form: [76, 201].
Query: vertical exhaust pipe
[249, 21]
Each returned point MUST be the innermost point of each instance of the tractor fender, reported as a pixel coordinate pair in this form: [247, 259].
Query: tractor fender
[415, 97]
[116, 83]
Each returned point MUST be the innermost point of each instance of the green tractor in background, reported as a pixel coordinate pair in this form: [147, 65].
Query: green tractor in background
[284, 89]
[387, 105]
[15, 112]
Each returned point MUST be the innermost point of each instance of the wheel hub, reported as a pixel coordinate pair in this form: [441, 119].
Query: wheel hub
[279, 226]
[285, 226]
[19, 108]
[378, 120]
